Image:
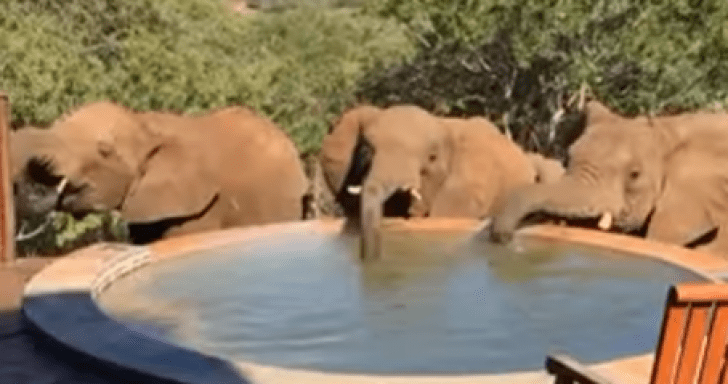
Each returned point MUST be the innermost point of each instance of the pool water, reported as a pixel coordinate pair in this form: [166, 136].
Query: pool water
[435, 303]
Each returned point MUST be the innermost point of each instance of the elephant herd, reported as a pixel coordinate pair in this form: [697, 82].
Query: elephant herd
[665, 178]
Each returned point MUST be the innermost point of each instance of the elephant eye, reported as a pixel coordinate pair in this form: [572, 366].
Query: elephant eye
[105, 149]
[432, 157]
[634, 174]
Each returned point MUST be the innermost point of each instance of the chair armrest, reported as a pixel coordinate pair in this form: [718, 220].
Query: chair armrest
[569, 371]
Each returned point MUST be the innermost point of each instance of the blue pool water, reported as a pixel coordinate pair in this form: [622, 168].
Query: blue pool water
[435, 303]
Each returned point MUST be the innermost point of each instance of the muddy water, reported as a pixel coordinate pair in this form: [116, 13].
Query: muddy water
[436, 303]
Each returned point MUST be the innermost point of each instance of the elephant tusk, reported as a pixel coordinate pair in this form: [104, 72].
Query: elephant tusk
[605, 222]
[485, 225]
[24, 236]
[416, 194]
[354, 189]
[62, 185]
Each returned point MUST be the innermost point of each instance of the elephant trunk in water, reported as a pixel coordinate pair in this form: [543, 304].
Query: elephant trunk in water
[372, 207]
[569, 198]
[373, 197]
[382, 183]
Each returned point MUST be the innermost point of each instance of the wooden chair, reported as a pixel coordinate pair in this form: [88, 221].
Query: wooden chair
[692, 345]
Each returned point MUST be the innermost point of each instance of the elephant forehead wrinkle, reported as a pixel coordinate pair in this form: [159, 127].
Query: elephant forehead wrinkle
[603, 150]
[585, 173]
[598, 168]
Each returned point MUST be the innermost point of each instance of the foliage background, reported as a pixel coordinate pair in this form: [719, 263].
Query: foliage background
[516, 61]
[520, 59]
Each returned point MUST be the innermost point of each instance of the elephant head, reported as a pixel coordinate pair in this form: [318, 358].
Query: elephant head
[105, 157]
[661, 177]
[386, 162]
[404, 161]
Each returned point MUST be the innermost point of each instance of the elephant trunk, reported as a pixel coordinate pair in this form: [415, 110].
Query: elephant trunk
[372, 206]
[392, 187]
[569, 198]
[374, 194]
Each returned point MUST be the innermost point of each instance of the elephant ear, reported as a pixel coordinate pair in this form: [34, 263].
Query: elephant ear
[337, 149]
[172, 183]
[692, 202]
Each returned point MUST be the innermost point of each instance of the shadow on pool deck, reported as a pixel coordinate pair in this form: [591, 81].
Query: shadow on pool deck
[74, 319]
[29, 356]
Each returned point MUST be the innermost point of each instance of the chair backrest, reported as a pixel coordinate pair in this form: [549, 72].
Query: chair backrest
[692, 345]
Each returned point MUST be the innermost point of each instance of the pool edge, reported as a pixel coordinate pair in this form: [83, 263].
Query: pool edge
[90, 270]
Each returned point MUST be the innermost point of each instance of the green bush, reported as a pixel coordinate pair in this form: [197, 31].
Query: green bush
[61, 232]
[277, 5]
[636, 56]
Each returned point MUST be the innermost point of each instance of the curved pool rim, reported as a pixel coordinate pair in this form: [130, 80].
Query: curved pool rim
[60, 302]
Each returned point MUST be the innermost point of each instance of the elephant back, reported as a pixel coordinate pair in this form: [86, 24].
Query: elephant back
[488, 161]
[477, 137]
[258, 143]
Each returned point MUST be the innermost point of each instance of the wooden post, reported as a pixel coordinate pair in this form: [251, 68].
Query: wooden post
[7, 216]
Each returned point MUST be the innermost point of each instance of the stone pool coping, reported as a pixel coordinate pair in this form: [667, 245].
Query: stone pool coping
[60, 301]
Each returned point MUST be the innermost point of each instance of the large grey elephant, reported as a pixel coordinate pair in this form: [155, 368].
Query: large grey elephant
[665, 178]
[166, 174]
[404, 161]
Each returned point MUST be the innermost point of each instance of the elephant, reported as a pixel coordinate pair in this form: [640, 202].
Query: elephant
[547, 170]
[404, 161]
[166, 174]
[664, 178]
